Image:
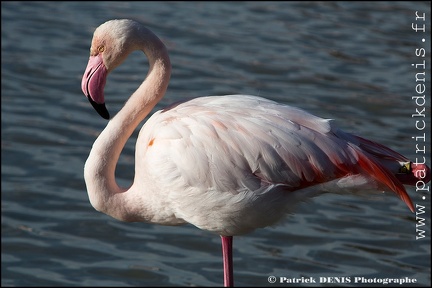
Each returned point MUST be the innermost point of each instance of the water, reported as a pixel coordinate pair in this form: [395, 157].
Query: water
[342, 60]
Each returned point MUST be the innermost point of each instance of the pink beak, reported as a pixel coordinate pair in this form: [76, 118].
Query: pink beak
[93, 83]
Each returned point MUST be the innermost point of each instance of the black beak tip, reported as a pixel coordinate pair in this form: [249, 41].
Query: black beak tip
[100, 108]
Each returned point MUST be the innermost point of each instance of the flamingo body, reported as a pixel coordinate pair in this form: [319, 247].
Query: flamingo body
[234, 163]
[226, 164]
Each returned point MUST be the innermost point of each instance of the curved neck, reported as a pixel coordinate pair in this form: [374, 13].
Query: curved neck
[99, 172]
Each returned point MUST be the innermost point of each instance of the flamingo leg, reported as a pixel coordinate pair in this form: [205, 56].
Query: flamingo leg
[227, 261]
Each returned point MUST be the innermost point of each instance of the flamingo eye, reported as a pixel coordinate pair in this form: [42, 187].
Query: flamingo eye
[101, 49]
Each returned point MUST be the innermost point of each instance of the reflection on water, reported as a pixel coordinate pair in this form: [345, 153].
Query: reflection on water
[341, 60]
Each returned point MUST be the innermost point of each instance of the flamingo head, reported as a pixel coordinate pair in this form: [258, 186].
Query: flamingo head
[112, 42]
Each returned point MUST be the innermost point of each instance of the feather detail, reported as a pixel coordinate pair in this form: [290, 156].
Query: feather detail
[379, 150]
[382, 175]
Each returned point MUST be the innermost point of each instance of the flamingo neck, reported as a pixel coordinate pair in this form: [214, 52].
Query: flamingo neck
[99, 172]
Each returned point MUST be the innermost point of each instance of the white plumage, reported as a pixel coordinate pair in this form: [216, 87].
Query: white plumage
[241, 150]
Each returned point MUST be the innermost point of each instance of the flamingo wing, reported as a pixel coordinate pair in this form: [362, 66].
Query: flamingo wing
[239, 144]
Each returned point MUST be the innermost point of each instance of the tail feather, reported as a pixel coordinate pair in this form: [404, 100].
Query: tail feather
[379, 150]
[413, 173]
[384, 176]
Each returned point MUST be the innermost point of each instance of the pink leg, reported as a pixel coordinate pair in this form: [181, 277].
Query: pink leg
[227, 261]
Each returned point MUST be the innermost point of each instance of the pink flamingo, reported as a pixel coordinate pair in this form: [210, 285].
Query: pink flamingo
[226, 164]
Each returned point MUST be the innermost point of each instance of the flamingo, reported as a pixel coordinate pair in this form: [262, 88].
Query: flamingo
[225, 164]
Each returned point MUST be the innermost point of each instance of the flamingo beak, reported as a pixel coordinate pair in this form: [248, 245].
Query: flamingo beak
[93, 83]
